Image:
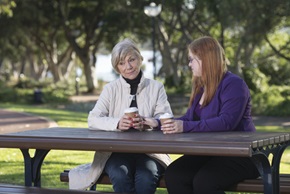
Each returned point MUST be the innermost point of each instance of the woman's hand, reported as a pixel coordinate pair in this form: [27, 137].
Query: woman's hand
[137, 122]
[125, 123]
[172, 126]
[151, 122]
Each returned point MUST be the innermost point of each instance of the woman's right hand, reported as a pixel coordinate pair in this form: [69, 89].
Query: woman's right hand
[150, 122]
[172, 126]
[125, 123]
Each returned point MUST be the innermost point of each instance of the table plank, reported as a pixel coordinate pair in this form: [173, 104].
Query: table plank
[213, 143]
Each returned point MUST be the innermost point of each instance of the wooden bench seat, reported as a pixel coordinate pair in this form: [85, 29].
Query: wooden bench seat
[249, 185]
[256, 185]
[16, 189]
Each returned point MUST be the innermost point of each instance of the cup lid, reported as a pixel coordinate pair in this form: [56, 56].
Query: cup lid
[166, 116]
[131, 109]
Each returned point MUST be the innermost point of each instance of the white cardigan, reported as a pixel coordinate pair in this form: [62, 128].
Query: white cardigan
[114, 99]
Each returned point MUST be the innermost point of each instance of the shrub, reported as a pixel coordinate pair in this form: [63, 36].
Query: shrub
[47, 93]
[255, 79]
[271, 102]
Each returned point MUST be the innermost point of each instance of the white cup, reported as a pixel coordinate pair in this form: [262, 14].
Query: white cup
[131, 112]
[164, 117]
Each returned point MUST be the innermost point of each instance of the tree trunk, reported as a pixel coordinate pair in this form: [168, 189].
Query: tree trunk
[89, 70]
[169, 67]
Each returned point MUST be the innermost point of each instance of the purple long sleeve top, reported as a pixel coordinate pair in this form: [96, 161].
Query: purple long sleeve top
[229, 110]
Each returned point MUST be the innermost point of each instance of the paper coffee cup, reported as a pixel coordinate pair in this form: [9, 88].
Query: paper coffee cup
[131, 112]
[165, 117]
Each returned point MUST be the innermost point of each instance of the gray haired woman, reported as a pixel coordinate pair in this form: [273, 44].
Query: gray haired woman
[129, 172]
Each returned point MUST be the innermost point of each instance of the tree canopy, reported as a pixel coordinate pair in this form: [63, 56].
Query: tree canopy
[45, 38]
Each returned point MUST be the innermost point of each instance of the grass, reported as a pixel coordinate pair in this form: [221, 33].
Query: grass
[11, 160]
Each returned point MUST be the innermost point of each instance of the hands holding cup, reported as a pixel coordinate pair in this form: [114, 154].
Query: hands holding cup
[169, 125]
[131, 118]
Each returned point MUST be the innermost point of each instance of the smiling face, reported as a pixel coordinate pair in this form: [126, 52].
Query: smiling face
[130, 67]
[195, 64]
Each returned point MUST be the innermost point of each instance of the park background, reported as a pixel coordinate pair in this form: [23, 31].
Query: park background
[52, 51]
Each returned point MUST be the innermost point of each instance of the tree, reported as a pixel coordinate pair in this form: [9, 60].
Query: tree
[88, 24]
[33, 38]
[44, 30]
[43, 35]
[240, 26]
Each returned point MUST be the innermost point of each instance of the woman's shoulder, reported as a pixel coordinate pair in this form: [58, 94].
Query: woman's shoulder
[233, 81]
[113, 85]
[231, 77]
[116, 82]
[152, 82]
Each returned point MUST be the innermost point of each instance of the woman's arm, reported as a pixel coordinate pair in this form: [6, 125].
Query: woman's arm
[98, 118]
[232, 100]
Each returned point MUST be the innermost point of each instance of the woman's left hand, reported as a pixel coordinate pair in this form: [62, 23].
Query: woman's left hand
[174, 126]
[138, 122]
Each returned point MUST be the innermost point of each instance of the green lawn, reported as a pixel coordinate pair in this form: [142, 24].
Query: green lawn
[11, 160]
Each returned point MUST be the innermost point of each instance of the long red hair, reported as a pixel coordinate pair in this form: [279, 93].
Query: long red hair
[212, 55]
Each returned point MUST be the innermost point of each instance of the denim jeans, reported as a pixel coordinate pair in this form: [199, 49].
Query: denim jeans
[133, 173]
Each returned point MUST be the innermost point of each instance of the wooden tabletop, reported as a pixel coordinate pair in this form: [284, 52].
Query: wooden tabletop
[210, 143]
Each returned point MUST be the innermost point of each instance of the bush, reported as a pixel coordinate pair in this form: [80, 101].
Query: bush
[266, 100]
[50, 93]
[271, 102]
[56, 95]
[255, 79]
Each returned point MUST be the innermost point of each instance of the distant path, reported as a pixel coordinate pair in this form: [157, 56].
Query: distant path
[11, 121]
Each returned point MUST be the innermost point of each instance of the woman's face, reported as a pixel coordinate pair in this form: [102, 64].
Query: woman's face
[130, 67]
[195, 64]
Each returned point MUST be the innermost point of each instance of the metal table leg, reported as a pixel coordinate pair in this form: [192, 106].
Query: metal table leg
[277, 155]
[270, 173]
[32, 166]
[262, 163]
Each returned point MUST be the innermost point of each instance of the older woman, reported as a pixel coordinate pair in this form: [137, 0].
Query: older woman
[129, 172]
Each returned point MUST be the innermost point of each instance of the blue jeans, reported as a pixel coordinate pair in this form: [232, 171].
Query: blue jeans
[133, 173]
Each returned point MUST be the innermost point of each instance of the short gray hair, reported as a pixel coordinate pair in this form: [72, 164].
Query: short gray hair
[122, 49]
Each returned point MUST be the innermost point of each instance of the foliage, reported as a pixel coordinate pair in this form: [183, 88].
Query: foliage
[184, 87]
[5, 7]
[55, 95]
[33, 92]
[272, 56]
[267, 99]
[271, 101]
[244, 28]
[255, 79]
[12, 94]
[254, 34]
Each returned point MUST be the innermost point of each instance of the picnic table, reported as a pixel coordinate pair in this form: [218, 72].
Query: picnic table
[256, 146]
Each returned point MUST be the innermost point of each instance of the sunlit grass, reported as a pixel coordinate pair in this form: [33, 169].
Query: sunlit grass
[273, 128]
[11, 160]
